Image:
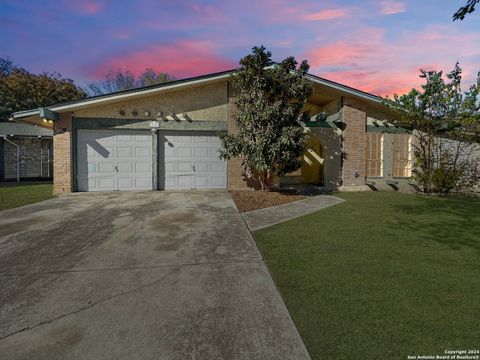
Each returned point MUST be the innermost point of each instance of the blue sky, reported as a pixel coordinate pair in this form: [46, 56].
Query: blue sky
[377, 46]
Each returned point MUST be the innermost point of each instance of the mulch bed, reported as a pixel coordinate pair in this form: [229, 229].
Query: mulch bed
[253, 200]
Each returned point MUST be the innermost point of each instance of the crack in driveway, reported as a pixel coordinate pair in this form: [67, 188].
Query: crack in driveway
[136, 268]
[89, 306]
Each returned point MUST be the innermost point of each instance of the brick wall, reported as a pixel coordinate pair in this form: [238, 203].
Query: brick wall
[62, 155]
[207, 102]
[354, 140]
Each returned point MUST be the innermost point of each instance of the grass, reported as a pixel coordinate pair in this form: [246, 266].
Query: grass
[14, 196]
[381, 276]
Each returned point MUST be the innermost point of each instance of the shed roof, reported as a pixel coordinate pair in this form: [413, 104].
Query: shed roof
[21, 129]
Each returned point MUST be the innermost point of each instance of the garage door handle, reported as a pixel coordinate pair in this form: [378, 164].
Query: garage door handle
[116, 168]
[193, 168]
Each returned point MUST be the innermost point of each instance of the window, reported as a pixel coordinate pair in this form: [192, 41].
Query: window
[374, 154]
[402, 155]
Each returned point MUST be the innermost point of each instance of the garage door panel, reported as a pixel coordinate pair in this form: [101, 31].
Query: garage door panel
[202, 139]
[202, 182]
[92, 183]
[185, 167]
[142, 182]
[218, 181]
[125, 167]
[214, 152]
[202, 167]
[92, 168]
[189, 160]
[169, 152]
[186, 181]
[170, 182]
[106, 184]
[184, 152]
[169, 168]
[125, 183]
[106, 141]
[114, 160]
[105, 167]
[124, 151]
[201, 152]
[143, 167]
[142, 152]
[218, 167]
[125, 138]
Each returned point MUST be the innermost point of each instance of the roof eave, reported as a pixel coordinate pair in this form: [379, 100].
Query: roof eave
[179, 84]
[344, 88]
[140, 92]
[125, 95]
[25, 113]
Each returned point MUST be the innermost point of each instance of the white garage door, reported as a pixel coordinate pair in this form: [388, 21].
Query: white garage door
[114, 160]
[191, 161]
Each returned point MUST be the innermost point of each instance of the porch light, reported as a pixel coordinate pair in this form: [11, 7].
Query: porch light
[154, 125]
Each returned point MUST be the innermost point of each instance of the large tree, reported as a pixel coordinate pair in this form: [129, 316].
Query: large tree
[446, 125]
[464, 10]
[121, 80]
[20, 90]
[269, 101]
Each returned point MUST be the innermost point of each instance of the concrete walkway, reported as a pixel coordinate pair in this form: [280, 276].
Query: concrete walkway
[262, 218]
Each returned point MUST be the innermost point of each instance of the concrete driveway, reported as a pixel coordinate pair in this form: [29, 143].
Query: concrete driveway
[141, 275]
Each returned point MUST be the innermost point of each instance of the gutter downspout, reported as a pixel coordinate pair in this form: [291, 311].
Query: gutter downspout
[18, 155]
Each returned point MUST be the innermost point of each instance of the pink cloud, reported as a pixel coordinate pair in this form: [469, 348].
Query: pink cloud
[182, 59]
[390, 7]
[88, 7]
[369, 61]
[291, 12]
[328, 14]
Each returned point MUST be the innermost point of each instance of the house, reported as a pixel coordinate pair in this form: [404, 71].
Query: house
[166, 137]
[25, 152]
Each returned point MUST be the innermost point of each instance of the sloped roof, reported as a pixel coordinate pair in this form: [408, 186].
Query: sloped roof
[184, 83]
[21, 129]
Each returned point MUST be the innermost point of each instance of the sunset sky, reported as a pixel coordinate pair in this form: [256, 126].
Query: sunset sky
[376, 46]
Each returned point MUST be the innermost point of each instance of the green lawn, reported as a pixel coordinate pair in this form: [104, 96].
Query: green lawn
[381, 276]
[13, 196]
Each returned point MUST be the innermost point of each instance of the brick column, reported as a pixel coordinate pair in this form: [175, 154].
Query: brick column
[354, 140]
[62, 155]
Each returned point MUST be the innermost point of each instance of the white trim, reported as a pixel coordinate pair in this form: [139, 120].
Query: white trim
[25, 113]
